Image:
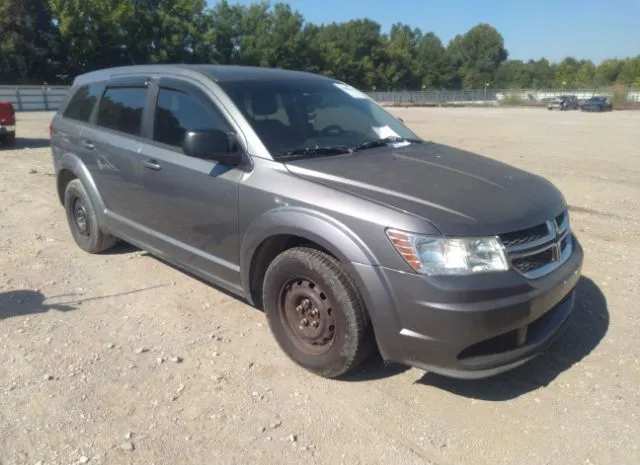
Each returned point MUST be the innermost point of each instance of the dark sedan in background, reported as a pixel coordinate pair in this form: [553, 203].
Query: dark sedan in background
[597, 104]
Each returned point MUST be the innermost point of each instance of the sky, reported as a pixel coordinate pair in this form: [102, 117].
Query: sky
[584, 29]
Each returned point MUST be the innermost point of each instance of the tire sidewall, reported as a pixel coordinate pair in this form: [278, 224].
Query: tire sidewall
[345, 343]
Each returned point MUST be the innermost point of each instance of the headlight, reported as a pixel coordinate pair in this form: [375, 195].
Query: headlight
[434, 255]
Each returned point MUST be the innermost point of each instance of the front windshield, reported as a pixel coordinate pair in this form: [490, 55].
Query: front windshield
[305, 113]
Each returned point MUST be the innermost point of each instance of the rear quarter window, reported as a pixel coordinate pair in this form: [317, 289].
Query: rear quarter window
[81, 104]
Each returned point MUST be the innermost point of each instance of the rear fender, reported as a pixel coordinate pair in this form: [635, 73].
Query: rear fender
[72, 162]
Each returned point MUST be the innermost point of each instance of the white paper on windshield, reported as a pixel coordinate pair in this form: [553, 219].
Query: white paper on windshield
[385, 131]
[352, 91]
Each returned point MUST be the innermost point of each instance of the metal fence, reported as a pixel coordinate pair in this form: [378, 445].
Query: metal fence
[34, 98]
[496, 96]
[49, 98]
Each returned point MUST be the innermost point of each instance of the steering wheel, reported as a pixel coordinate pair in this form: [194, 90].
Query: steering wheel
[332, 130]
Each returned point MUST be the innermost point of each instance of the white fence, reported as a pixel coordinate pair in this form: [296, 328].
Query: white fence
[34, 98]
[49, 98]
[491, 96]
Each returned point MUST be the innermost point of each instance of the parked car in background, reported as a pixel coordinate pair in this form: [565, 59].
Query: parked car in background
[302, 195]
[7, 124]
[564, 102]
[597, 104]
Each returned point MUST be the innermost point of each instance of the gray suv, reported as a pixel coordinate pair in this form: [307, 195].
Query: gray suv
[300, 194]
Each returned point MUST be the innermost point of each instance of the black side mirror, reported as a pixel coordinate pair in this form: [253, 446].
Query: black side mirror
[212, 144]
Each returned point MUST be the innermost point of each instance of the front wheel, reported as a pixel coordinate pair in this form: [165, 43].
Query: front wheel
[316, 313]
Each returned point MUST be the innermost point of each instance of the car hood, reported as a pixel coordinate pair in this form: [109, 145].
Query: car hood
[459, 192]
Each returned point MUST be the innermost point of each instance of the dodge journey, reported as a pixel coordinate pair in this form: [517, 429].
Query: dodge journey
[300, 194]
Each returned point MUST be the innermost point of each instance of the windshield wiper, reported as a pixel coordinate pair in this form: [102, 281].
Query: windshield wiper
[371, 144]
[316, 150]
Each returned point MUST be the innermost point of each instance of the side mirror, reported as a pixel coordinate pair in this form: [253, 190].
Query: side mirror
[212, 144]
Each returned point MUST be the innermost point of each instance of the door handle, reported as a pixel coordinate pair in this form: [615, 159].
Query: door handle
[152, 165]
[88, 144]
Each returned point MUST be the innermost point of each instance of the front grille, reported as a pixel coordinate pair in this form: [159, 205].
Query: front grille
[524, 236]
[561, 221]
[540, 249]
[533, 262]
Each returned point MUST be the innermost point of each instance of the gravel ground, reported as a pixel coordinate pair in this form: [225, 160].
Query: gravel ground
[121, 359]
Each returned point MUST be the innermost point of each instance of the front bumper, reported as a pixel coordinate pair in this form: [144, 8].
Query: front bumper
[468, 326]
[7, 128]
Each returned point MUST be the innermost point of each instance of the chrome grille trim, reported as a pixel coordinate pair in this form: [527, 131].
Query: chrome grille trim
[529, 245]
[562, 222]
[558, 233]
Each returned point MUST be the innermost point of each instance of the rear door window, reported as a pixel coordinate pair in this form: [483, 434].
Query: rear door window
[81, 104]
[121, 109]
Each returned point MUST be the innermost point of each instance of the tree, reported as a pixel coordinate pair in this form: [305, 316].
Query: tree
[514, 74]
[585, 75]
[630, 72]
[102, 33]
[433, 64]
[92, 32]
[608, 71]
[165, 31]
[29, 42]
[223, 33]
[542, 73]
[277, 39]
[55, 40]
[477, 56]
[565, 72]
[352, 52]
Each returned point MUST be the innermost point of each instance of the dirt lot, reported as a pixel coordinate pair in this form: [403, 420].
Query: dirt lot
[87, 373]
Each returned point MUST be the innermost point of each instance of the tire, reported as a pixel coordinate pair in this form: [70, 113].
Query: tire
[83, 222]
[304, 285]
[9, 139]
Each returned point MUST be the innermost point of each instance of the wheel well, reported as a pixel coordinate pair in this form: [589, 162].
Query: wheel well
[265, 253]
[64, 178]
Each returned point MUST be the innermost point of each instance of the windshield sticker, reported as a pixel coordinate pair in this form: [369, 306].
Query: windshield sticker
[352, 91]
[385, 131]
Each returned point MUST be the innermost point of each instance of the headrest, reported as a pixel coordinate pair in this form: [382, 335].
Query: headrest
[264, 103]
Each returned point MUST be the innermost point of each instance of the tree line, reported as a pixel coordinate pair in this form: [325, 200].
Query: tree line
[52, 41]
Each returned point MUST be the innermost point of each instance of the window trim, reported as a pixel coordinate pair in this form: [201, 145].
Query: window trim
[136, 82]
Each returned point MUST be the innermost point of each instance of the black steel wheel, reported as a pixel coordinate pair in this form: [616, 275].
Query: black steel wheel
[82, 220]
[80, 216]
[307, 315]
[315, 312]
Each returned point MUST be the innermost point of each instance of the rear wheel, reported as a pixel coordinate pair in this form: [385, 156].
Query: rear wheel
[316, 313]
[82, 220]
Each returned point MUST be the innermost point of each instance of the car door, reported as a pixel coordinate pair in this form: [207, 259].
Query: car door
[189, 206]
[114, 139]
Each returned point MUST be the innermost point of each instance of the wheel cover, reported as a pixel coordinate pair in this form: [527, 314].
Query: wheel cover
[307, 316]
[80, 217]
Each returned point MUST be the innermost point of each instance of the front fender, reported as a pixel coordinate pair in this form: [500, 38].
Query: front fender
[309, 224]
[73, 163]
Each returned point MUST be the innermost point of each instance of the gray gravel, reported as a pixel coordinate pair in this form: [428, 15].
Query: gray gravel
[72, 385]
